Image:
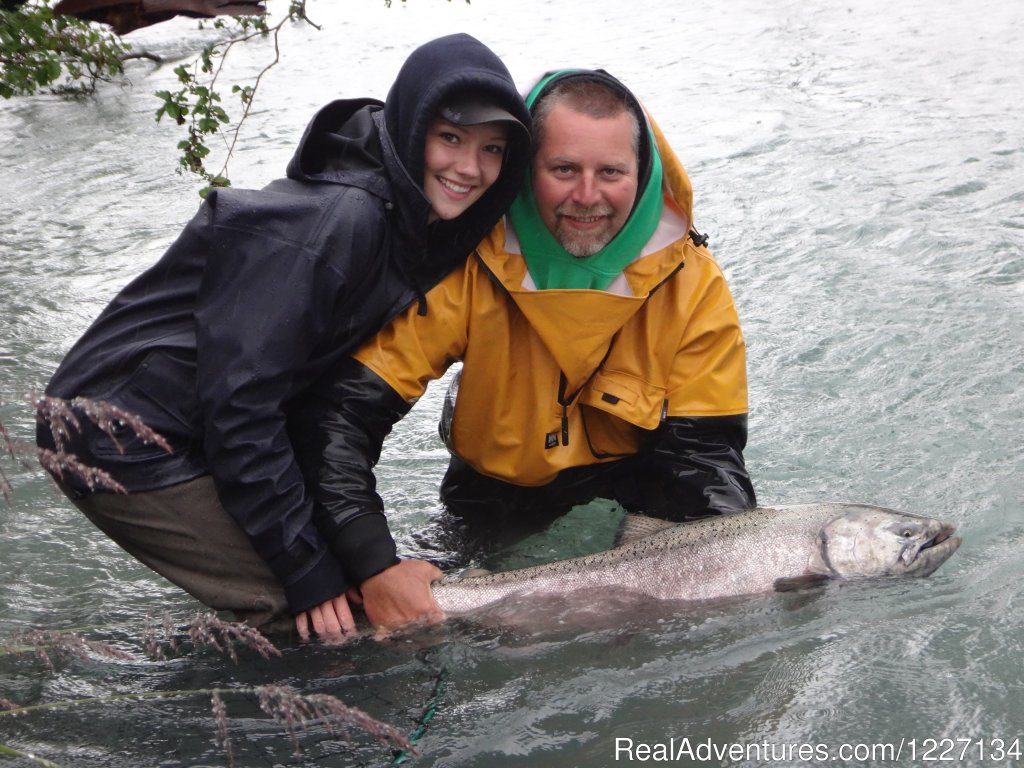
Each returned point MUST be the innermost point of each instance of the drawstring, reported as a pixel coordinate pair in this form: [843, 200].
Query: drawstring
[421, 297]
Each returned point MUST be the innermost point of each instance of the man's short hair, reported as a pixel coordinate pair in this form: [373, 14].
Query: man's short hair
[591, 97]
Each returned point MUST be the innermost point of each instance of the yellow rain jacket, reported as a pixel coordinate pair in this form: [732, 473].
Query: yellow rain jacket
[558, 378]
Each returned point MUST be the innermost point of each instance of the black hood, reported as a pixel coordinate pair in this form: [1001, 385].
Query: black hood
[356, 141]
[340, 139]
[430, 77]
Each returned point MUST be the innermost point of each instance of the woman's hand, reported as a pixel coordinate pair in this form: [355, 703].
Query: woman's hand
[331, 621]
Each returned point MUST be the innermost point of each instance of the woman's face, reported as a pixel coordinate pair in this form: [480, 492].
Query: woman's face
[461, 162]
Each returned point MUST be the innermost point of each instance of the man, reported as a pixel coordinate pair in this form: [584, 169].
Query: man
[602, 357]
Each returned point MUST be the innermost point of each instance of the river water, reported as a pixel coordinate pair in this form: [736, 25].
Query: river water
[859, 166]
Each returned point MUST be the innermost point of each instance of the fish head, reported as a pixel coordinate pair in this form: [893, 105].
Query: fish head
[873, 541]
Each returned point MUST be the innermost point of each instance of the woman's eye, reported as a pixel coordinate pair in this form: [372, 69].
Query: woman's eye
[451, 138]
[495, 149]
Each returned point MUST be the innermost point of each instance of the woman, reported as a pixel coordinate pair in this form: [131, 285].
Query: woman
[261, 294]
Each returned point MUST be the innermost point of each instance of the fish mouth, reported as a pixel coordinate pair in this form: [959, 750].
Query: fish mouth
[947, 532]
[935, 551]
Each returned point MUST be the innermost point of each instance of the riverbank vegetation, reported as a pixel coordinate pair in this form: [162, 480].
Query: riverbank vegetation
[44, 51]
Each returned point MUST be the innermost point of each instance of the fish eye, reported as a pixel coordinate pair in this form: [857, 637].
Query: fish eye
[906, 533]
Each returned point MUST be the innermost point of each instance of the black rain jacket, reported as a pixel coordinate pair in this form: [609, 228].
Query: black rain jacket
[265, 290]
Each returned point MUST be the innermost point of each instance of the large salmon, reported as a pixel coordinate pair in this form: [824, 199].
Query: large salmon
[755, 551]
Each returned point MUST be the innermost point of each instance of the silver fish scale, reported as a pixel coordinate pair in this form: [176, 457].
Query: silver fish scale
[709, 558]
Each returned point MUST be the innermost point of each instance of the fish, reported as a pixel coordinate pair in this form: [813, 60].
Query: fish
[760, 550]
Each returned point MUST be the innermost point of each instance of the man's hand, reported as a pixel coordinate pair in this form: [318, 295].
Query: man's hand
[332, 621]
[401, 595]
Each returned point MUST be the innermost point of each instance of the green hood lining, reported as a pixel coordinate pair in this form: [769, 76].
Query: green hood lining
[550, 265]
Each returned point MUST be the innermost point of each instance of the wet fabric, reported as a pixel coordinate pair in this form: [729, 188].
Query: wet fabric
[265, 290]
[554, 383]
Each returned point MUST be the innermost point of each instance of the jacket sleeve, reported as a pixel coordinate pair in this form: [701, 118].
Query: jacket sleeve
[355, 409]
[695, 468]
[346, 423]
[265, 304]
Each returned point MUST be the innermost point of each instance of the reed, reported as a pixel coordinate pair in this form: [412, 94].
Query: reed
[293, 710]
[63, 419]
[160, 640]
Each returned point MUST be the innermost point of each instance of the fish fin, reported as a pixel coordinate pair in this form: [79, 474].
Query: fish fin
[796, 583]
[635, 527]
[474, 572]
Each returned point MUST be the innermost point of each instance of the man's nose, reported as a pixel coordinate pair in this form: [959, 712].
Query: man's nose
[585, 191]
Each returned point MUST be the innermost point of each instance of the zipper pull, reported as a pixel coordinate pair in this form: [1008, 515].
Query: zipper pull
[564, 402]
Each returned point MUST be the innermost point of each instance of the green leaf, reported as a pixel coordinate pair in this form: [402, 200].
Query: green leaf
[50, 72]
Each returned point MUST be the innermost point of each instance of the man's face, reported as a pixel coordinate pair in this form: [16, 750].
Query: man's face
[585, 178]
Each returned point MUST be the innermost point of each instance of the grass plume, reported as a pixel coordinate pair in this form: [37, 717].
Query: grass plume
[44, 643]
[209, 631]
[62, 418]
[293, 710]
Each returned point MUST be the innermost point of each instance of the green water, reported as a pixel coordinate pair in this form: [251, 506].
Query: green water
[860, 170]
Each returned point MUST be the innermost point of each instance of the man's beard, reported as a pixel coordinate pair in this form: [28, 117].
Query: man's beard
[584, 244]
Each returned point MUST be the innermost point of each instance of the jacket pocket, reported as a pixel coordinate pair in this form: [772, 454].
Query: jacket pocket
[161, 392]
[626, 397]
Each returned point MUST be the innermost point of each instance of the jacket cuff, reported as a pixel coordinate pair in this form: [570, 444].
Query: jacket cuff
[365, 547]
[323, 581]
